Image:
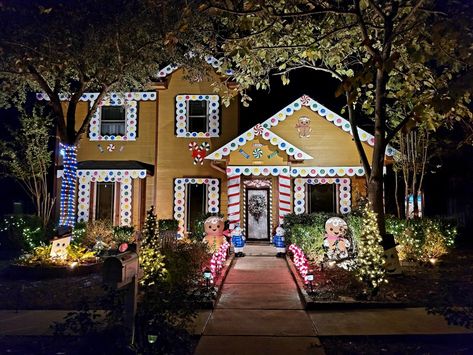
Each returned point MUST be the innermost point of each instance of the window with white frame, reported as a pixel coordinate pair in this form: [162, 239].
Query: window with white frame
[196, 196]
[322, 198]
[197, 116]
[113, 121]
[105, 201]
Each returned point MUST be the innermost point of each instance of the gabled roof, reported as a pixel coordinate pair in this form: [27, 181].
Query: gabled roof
[280, 116]
[264, 133]
[171, 68]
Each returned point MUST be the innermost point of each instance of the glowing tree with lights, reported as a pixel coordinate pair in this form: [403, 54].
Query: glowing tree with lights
[370, 252]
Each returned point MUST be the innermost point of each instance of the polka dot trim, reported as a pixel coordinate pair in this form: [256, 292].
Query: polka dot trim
[344, 192]
[213, 198]
[213, 116]
[296, 172]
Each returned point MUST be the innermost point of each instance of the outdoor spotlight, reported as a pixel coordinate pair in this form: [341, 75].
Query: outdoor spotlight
[73, 264]
[207, 277]
[152, 338]
[433, 261]
[310, 278]
[332, 264]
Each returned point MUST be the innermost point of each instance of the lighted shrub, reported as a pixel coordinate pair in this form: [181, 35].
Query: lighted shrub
[40, 256]
[99, 230]
[310, 239]
[22, 233]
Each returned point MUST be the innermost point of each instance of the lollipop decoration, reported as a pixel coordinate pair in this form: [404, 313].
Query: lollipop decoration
[257, 153]
[258, 129]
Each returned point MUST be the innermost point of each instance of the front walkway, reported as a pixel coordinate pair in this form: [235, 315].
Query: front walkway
[259, 311]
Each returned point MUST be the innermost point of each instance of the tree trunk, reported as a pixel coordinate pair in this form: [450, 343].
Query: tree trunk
[68, 185]
[375, 181]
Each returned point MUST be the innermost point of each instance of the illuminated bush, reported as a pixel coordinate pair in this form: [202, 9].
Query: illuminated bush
[40, 256]
[310, 239]
[370, 261]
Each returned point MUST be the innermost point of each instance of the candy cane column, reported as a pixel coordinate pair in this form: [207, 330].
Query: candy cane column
[284, 183]
[233, 192]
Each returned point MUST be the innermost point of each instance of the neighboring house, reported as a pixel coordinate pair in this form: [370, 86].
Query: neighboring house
[178, 148]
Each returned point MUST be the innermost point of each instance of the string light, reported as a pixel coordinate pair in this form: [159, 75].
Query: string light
[68, 186]
[300, 261]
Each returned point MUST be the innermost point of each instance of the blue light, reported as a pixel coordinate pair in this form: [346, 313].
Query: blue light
[68, 186]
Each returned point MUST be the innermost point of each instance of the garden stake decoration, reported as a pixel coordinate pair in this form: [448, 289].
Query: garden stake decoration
[278, 241]
[238, 241]
[199, 152]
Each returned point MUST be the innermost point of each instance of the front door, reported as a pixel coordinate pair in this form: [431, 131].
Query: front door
[257, 214]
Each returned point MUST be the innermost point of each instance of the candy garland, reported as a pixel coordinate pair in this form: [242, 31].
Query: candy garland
[218, 260]
[300, 261]
[310, 171]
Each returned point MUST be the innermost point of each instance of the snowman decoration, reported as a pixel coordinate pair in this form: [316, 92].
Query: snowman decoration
[278, 241]
[238, 241]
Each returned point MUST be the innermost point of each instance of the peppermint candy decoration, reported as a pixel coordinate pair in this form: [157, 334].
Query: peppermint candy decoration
[305, 100]
[257, 153]
[258, 129]
[199, 152]
[111, 147]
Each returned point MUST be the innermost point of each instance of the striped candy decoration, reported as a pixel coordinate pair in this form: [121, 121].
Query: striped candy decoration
[233, 191]
[258, 129]
[257, 153]
[245, 154]
[284, 196]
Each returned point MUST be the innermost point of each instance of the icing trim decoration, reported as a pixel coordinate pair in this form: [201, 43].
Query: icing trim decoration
[344, 192]
[233, 195]
[92, 96]
[85, 177]
[213, 116]
[310, 171]
[199, 151]
[180, 196]
[131, 121]
[288, 111]
[214, 62]
[266, 134]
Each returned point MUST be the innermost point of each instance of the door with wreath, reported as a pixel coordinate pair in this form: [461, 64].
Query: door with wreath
[257, 214]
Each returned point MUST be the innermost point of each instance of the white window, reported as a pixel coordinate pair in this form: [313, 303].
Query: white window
[113, 121]
[197, 116]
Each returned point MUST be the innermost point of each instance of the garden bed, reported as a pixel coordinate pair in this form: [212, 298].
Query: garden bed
[446, 283]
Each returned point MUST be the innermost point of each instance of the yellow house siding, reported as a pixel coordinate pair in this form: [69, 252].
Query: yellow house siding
[141, 149]
[328, 145]
[174, 159]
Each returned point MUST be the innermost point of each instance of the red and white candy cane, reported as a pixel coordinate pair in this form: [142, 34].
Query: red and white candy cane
[284, 183]
[233, 191]
[193, 146]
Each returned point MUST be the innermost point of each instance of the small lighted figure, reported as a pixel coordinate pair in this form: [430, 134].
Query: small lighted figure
[336, 241]
[214, 236]
[238, 241]
[279, 243]
[59, 247]
[391, 259]
[303, 127]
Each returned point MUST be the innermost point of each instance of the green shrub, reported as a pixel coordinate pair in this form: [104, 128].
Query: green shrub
[310, 239]
[123, 234]
[167, 225]
[23, 233]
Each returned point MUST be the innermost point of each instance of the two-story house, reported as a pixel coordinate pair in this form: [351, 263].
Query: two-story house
[179, 149]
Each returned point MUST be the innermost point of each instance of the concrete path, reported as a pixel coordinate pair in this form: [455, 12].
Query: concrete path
[259, 311]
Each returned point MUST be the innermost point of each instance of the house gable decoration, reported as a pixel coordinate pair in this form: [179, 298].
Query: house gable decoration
[264, 133]
[214, 62]
[263, 129]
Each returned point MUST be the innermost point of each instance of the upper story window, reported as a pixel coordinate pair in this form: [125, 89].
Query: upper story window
[113, 121]
[197, 116]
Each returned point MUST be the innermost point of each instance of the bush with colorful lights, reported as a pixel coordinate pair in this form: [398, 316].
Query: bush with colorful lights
[419, 240]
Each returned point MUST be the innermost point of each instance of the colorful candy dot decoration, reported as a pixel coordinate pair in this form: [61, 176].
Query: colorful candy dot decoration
[213, 187]
[213, 116]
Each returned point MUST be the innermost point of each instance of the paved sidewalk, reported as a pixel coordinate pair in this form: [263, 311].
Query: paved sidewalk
[259, 311]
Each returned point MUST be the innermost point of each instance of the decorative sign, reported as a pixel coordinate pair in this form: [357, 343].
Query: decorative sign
[59, 247]
[199, 151]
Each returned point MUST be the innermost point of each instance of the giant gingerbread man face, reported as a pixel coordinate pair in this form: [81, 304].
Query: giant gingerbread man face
[214, 237]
